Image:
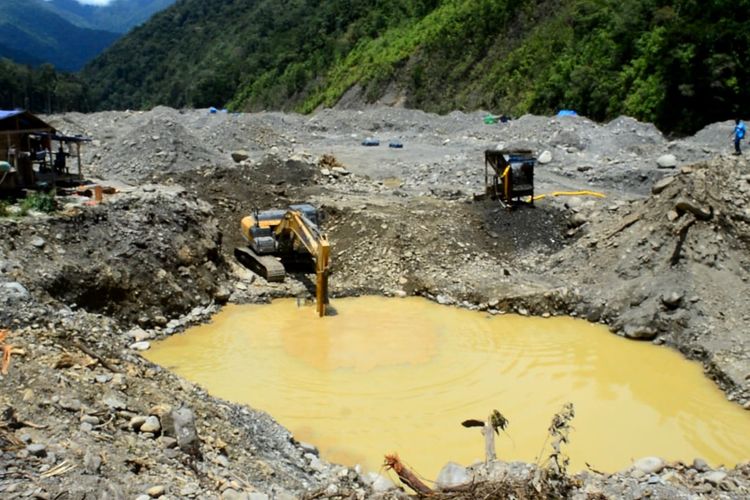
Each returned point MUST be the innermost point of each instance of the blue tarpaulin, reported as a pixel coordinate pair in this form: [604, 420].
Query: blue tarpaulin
[567, 112]
[8, 113]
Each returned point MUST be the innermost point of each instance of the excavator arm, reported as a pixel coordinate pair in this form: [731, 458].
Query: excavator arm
[295, 228]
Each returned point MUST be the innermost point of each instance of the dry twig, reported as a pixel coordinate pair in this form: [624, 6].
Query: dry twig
[59, 469]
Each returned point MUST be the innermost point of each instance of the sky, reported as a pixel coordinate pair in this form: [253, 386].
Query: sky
[92, 2]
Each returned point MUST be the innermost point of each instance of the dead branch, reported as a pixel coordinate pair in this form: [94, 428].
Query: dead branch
[94, 355]
[8, 350]
[629, 221]
[392, 462]
[59, 469]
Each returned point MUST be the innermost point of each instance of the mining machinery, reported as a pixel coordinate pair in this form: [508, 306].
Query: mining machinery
[509, 176]
[280, 237]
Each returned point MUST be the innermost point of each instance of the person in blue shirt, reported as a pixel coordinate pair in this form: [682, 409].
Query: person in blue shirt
[739, 134]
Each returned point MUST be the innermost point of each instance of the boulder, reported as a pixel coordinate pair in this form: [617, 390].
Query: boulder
[222, 294]
[16, 291]
[38, 242]
[37, 450]
[715, 477]
[379, 483]
[140, 346]
[139, 334]
[545, 157]
[114, 402]
[183, 420]
[667, 161]
[662, 184]
[240, 155]
[639, 332]
[156, 491]
[452, 475]
[92, 462]
[672, 300]
[649, 465]
[151, 424]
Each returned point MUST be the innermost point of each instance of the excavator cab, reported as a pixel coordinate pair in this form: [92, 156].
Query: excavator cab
[258, 229]
[509, 175]
[287, 235]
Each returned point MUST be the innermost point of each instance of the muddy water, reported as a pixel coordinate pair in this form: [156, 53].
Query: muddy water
[399, 375]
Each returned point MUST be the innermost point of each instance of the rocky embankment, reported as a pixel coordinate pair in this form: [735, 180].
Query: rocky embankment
[662, 258]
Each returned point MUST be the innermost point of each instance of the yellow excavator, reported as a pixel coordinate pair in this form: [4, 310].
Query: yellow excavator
[292, 235]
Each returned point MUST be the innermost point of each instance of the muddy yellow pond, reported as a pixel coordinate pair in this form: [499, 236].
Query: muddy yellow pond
[400, 375]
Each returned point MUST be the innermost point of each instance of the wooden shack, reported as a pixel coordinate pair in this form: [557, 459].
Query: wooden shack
[33, 154]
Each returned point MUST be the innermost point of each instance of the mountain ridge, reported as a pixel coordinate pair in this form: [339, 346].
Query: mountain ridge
[47, 37]
[119, 16]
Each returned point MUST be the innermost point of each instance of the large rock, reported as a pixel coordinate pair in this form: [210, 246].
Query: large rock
[379, 483]
[114, 402]
[715, 477]
[662, 184]
[38, 242]
[15, 291]
[545, 157]
[672, 300]
[92, 462]
[140, 346]
[139, 334]
[452, 475]
[667, 161]
[639, 332]
[649, 465]
[183, 420]
[151, 425]
[37, 450]
[240, 155]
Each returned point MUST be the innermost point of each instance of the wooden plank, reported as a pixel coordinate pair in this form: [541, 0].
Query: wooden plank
[25, 131]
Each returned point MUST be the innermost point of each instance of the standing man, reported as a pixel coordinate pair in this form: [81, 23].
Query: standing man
[739, 134]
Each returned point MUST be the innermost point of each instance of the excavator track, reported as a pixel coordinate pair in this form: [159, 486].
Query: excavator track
[263, 265]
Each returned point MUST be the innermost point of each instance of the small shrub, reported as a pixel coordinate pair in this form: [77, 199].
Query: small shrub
[42, 202]
[3, 209]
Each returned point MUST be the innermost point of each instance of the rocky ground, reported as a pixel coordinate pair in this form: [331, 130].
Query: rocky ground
[662, 258]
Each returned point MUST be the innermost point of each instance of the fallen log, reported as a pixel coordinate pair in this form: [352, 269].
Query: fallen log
[392, 462]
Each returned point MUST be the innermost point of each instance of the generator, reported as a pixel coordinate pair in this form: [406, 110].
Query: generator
[509, 176]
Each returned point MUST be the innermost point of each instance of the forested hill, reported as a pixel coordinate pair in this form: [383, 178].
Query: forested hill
[30, 33]
[680, 64]
[118, 15]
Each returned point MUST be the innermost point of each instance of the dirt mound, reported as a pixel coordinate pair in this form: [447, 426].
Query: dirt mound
[160, 145]
[141, 255]
[670, 267]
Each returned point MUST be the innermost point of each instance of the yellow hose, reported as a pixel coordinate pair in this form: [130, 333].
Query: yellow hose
[570, 193]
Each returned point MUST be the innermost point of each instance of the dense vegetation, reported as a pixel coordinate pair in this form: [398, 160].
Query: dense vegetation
[678, 63]
[30, 33]
[40, 90]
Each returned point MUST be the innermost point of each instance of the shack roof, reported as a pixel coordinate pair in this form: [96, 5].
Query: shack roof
[19, 120]
[62, 137]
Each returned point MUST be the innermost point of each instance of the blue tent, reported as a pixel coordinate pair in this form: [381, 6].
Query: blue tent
[567, 112]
